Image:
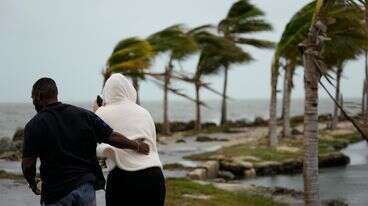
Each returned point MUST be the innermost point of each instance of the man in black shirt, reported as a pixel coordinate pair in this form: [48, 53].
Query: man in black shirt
[64, 138]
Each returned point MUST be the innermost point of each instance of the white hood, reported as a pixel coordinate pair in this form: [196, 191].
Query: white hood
[117, 89]
[123, 115]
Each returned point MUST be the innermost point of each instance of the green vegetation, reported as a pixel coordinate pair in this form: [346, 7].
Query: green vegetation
[185, 192]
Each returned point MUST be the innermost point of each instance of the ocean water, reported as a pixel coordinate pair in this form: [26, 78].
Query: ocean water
[14, 115]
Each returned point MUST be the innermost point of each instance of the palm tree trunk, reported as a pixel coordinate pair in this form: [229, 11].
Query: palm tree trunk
[311, 48]
[365, 89]
[136, 86]
[310, 169]
[288, 83]
[224, 98]
[335, 118]
[198, 124]
[166, 124]
[272, 132]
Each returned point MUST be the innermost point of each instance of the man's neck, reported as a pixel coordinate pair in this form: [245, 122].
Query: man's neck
[51, 101]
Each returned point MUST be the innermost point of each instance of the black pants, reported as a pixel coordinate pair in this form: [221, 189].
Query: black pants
[139, 188]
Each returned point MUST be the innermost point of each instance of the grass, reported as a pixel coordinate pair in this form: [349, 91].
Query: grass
[209, 130]
[183, 192]
[327, 144]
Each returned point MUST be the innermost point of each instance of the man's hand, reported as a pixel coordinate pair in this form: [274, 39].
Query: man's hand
[120, 141]
[142, 147]
[36, 188]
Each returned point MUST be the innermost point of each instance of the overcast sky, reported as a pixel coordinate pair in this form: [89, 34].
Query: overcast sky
[70, 40]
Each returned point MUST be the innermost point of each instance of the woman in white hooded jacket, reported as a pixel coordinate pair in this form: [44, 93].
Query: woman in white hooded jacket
[133, 179]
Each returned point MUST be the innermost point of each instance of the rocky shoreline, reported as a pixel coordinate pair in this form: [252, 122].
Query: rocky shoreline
[251, 160]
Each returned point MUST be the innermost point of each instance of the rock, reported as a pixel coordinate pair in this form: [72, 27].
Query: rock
[226, 175]
[250, 173]
[235, 166]
[267, 168]
[219, 180]
[212, 168]
[333, 160]
[218, 157]
[18, 135]
[204, 139]
[180, 141]
[198, 174]
[295, 131]
[291, 167]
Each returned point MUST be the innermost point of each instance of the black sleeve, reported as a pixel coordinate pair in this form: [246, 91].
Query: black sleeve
[32, 139]
[101, 129]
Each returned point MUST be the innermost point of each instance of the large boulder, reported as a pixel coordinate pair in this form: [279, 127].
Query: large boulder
[237, 167]
[267, 168]
[204, 139]
[212, 168]
[198, 174]
[226, 175]
[333, 160]
[250, 172]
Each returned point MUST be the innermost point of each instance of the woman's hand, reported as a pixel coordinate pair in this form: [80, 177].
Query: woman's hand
[142, 147]
[95, 107]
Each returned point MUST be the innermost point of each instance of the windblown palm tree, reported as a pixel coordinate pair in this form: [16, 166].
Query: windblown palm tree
[348, 39]
[363, 4]
[176, 41]
[130, 56]
[216, 52]
[242, 19]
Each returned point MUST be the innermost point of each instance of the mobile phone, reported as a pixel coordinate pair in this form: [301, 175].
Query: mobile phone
[99, 101]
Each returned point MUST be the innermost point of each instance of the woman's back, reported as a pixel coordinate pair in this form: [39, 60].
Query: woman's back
[126, 117]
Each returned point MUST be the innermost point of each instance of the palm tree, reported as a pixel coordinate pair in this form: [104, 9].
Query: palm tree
[130, 56]
[179, 45]
[242, 18]
[215, 52]
[272, 132]
[312, 76]
[311, 24]
[286, 99]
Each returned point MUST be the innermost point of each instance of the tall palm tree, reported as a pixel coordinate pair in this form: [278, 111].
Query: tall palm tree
[310, 24]
[216, 52]
[311, 78]
[176, 41]
[286, 99]
[272, 132]
[287, 48]
[243, 18]
[130, 56]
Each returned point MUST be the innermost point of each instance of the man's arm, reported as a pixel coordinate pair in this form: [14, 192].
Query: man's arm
[29, 173]
[106, 134]
[120, 141]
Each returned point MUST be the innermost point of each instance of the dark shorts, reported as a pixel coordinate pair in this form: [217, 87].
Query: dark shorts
[141, 188]
[84, 195]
